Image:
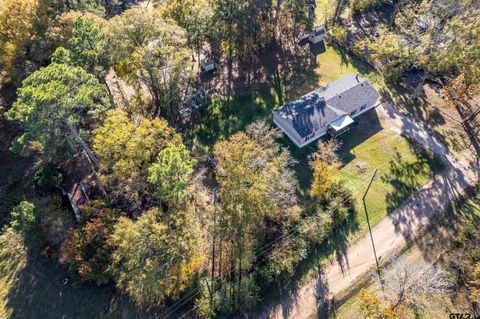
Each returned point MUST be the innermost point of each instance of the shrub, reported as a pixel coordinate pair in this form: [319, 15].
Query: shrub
[47, 179]
[280, 265]
[339, 201]
[338, 34]
[23, 215]
[359, 6]
[88, 249]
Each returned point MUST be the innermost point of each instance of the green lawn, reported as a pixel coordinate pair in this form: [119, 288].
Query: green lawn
[287, 79]
[333, 64]
[366, 147]
[403, 167]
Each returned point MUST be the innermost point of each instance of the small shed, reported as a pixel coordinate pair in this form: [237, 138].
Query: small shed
[317, 35]
[208, 65]
[304, 38]
[193, 103]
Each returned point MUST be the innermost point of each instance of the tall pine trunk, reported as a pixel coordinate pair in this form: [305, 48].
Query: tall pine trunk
[82, 143]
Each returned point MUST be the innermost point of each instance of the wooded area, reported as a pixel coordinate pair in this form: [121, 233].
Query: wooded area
[174, 224]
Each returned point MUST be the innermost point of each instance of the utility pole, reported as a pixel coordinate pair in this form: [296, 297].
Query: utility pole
[213, 248]
[369, 227]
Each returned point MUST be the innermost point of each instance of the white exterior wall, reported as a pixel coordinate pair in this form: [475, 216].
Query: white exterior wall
[287, 129]
[315, 39]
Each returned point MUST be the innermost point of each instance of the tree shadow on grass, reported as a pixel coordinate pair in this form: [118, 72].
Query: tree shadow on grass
[349, 59]
[367, 125]
[258, 88]
[403, 175]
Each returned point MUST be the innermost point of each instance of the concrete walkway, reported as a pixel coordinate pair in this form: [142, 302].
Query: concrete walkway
[392, 233]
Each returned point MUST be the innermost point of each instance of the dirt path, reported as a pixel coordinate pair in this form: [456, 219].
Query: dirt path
[392, 233]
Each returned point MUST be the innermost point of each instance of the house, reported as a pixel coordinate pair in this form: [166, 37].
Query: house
[330, 109]
[317, 35]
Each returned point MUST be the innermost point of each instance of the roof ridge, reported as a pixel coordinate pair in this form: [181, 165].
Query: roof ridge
[334, 109]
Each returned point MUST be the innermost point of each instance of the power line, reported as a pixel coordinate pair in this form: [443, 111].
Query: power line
[269, 246]
[257, 254]
[344, 197]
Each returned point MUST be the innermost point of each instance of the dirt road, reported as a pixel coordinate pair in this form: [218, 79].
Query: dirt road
[392, 233]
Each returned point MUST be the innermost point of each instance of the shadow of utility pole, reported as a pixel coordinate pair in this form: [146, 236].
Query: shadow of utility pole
[370, 228]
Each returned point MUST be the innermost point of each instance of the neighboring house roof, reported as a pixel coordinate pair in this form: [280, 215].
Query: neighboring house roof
[319, 108]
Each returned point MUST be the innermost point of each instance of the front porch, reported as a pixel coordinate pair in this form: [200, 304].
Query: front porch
[341, 125]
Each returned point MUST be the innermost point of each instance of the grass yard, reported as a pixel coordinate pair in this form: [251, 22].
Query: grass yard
[296, 76]
[333, 64]
[221, 119]
[403, 169]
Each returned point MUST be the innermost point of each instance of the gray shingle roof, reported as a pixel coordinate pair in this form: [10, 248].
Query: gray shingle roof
[319, 108]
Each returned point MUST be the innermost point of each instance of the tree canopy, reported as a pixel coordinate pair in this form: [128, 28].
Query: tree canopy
[22, 27]
[149, 50]
[23, 215]
[256, 185]
[88, 248]
[156, 257]
[89, 47]
[126, 149]
[53, 102]
[170, 172]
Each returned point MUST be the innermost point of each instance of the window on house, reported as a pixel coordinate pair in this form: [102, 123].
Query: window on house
[363, 107]
[353, 112]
